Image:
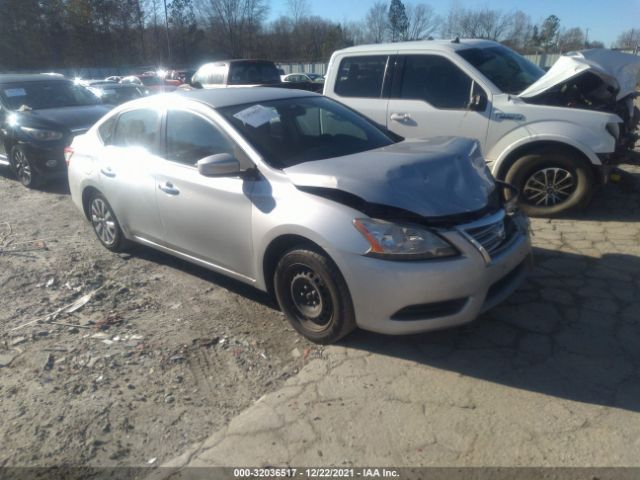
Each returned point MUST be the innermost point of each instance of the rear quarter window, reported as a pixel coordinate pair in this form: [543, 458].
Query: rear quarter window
[137, 128]
[105, 131]
[361, 76]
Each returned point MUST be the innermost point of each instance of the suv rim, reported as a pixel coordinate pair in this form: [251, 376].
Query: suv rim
[549, 187]
[103, 222]
[23, 168]
[310, 301]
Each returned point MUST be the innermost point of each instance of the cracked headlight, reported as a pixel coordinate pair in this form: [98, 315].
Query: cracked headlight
[42, 135]
[402, 242]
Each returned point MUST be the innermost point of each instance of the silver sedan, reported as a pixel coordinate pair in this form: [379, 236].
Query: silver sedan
[343, 222]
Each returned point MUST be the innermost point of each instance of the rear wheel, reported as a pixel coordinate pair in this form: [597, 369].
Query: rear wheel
[23, 168]
[551, 183]
[314, 296]
[105, 224]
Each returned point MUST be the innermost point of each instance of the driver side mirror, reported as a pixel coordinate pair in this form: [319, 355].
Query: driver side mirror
[219, 165]
[478, 102]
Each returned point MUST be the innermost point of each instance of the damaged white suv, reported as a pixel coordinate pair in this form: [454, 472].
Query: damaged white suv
[552, 135]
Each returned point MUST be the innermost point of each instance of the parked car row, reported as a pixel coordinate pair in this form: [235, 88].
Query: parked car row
[385, 215]
[243, 73]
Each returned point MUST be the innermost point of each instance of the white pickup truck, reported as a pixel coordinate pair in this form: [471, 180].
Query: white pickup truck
[552, 135]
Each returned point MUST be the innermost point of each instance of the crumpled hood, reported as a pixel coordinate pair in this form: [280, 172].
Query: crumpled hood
[436, 177]
[620, 70]
[71, 118]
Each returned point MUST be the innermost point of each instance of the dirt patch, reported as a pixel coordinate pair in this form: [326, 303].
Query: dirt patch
[112, 359]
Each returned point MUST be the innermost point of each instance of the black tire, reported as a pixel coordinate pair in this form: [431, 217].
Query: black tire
[314, 296]
[22, 167]
[569, 183]
[105, 224]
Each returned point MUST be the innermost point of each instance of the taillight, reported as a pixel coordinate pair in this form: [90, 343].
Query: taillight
[68, 153]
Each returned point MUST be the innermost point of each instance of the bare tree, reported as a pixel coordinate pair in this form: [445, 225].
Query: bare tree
[571, 39]
[422, 21]
[235, 23]
[450, 26]
[520, 34]
[298, 9]
[355, 32]
[629, 39]
[377, 23]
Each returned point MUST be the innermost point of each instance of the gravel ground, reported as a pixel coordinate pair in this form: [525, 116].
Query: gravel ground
[162, 353]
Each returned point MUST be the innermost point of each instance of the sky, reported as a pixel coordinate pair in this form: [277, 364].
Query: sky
[604, 19]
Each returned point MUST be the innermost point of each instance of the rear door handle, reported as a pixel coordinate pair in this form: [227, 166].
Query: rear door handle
[107, 172]
[169, 188]
[400, 117]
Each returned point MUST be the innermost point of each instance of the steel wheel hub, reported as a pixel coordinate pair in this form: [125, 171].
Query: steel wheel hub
[549, 187]
[306, 294]
[103, 221]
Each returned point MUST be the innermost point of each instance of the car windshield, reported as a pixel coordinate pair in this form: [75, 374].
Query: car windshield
[253, 73]
[510, 72]
[297, 130]
[46, 94]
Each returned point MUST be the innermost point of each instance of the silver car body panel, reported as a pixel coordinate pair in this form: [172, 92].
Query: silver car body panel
[430, 177]
[228, 224]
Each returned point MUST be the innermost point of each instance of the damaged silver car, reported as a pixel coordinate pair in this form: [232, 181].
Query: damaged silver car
[343, 222]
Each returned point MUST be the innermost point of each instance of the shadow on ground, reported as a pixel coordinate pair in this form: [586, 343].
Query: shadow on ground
[58, 186]
[614, 202]
[572, 331]
[230, 284]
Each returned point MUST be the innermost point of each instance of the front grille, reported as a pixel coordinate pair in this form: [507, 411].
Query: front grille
[491, 235]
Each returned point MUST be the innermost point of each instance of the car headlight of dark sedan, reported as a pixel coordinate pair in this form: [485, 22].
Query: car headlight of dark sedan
[41, 134]
[397, 242]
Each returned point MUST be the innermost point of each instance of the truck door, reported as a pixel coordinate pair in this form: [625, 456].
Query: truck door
[431, 96]
[359, 84]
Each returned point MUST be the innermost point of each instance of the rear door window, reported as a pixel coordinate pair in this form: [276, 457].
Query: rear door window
[137, 128]
[434, 79]
[361, 76]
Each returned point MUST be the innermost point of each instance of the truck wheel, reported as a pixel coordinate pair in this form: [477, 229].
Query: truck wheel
[551, 183]
[23, 168]
[313, 295]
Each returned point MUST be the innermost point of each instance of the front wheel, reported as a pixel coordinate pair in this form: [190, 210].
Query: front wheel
[314, 296]
[23, 168]
[551, 183]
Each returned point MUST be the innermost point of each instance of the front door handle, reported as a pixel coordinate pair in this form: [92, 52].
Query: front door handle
[400, 117]
[107, 172]
[169, 188]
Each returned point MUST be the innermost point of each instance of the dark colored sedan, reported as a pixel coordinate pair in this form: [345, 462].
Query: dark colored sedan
[39, 116]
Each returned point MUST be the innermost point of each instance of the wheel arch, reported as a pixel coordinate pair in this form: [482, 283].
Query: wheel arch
[276, 248]
[87, 193]
[511, 157]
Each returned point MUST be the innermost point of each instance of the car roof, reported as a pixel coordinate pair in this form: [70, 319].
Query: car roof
[225, 97]
[30, 77]
[430, 45]
[219, 63]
